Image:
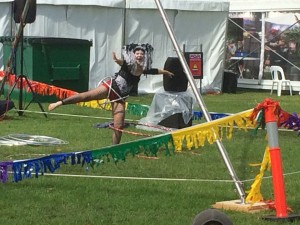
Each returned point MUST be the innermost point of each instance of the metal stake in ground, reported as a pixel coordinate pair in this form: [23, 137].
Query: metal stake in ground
[200, 101]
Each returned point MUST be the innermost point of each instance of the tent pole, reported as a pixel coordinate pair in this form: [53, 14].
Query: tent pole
[200, 100]
[262, 49]
[124, 24]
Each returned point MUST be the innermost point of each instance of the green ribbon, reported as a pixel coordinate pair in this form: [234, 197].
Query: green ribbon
[260, 121]
[137, 109]
[148, 146]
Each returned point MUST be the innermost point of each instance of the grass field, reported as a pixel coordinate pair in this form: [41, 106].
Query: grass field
[163, 190]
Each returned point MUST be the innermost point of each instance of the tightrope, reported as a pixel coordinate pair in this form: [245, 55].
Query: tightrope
[104, 118]
[72, 115]
[136, 178]
[159, 179]
[109, 118]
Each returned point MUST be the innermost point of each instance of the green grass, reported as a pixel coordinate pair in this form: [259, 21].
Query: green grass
[90, 201]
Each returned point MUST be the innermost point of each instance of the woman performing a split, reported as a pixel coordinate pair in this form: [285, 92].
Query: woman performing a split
[137, 61]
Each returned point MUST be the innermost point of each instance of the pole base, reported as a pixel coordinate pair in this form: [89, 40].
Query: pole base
[289, 218]
[237, 205]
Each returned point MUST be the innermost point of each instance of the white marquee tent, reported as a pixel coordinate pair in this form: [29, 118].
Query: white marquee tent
[112, 23]
[272, 11]
[263, 5]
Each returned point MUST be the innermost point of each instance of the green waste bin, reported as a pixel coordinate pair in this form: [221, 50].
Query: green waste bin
[61, 62]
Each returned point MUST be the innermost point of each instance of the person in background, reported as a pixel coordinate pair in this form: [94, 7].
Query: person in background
[231, 49]
[137, 61]
[240, 46]
[281, 53]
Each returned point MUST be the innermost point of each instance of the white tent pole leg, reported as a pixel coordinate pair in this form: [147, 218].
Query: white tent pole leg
[262, 49]
[200, 100]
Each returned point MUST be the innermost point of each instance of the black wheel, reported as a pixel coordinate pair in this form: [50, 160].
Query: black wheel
[211, 217]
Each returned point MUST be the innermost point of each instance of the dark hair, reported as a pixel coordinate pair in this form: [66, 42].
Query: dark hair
[129, 50]
[137, 48]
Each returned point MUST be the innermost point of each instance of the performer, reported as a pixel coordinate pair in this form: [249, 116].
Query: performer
[137, 61]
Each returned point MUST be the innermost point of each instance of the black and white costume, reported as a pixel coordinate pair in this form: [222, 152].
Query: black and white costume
[129, 76]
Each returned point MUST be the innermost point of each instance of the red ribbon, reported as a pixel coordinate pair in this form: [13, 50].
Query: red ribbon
[38, 87]
[272, 111]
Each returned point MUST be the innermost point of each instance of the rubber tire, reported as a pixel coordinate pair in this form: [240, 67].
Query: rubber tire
[212, 217]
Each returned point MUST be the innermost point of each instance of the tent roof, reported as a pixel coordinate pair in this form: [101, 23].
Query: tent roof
[192, 5]
[263, 5]
[207, 5]
[105, 3]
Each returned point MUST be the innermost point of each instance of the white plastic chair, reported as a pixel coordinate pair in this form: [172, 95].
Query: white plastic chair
[278, 78]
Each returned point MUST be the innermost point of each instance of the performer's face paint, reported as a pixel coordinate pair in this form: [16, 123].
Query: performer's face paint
[139, 55]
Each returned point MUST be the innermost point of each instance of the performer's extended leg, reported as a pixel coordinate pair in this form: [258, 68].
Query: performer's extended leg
[118, 113]
[98, 93]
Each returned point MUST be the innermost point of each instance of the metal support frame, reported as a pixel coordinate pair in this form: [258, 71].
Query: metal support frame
[199, 99]
[21, 79]
[15, 43]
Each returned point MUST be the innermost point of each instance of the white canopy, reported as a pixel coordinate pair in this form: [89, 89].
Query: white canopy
[263, 5]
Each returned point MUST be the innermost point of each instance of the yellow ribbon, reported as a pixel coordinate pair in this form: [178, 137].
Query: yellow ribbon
[254, 194]
[195, 136]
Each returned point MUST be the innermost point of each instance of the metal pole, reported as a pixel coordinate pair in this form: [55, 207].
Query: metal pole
[262, 49]
[200, 100]
[15, 43]
[200, 88]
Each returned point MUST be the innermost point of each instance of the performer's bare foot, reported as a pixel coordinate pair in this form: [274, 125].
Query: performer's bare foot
[52, 106]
